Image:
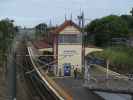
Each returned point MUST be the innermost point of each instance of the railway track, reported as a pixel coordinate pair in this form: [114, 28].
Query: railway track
[26, 86]
[42, 91]
[31, 84]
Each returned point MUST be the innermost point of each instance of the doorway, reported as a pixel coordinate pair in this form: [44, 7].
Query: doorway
[67, 69]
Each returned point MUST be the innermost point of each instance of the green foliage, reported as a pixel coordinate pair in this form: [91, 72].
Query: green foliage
[120, 57]
[7, 33]
[102, 39]
[129, 21]
[41, 30]
[108, 24]
[107, 28]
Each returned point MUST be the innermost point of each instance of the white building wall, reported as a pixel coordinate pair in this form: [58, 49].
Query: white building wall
[69, 54]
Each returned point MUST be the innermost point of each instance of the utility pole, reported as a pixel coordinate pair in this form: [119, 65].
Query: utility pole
[12, 77]
[83, 21]
[65, 17]
[81, 25]
[50, 23]
[79, 20]
[131, 12]
[83, 42]
[71, 17]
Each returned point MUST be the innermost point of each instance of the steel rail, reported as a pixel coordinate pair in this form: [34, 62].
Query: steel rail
[51, 89]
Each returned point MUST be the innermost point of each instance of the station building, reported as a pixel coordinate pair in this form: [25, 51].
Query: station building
[67, 48]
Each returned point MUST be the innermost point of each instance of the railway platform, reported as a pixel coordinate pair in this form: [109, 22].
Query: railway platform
[76, 89]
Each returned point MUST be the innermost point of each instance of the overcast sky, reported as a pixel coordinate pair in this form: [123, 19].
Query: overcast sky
[31, 12]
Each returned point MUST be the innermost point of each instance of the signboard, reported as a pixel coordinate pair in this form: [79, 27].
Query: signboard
[69, 52]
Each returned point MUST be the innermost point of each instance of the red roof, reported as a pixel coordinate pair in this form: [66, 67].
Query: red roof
[40, 44]
[64, 25]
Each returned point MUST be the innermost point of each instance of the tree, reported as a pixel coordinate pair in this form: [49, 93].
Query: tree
[41, 29]
[107, 28]
[7, 33]
[129, 20]
[131, 12]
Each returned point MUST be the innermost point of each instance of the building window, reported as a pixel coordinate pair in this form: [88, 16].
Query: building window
[72, 39]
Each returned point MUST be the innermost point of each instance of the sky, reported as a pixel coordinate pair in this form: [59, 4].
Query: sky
[29, 13]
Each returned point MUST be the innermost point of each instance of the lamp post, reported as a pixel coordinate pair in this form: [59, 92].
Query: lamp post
[131, 12]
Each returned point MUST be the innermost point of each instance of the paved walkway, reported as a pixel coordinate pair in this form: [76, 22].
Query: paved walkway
[75, 88]
[115, 83]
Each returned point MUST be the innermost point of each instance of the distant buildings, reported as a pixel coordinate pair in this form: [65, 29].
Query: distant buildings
[26, 30]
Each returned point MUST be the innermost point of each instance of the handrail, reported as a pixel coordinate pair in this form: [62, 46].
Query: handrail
[41, 76]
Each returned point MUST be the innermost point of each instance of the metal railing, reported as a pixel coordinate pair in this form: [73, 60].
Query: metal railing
[52, 91]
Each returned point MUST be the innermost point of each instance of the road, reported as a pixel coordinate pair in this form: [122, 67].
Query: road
[76, 89]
